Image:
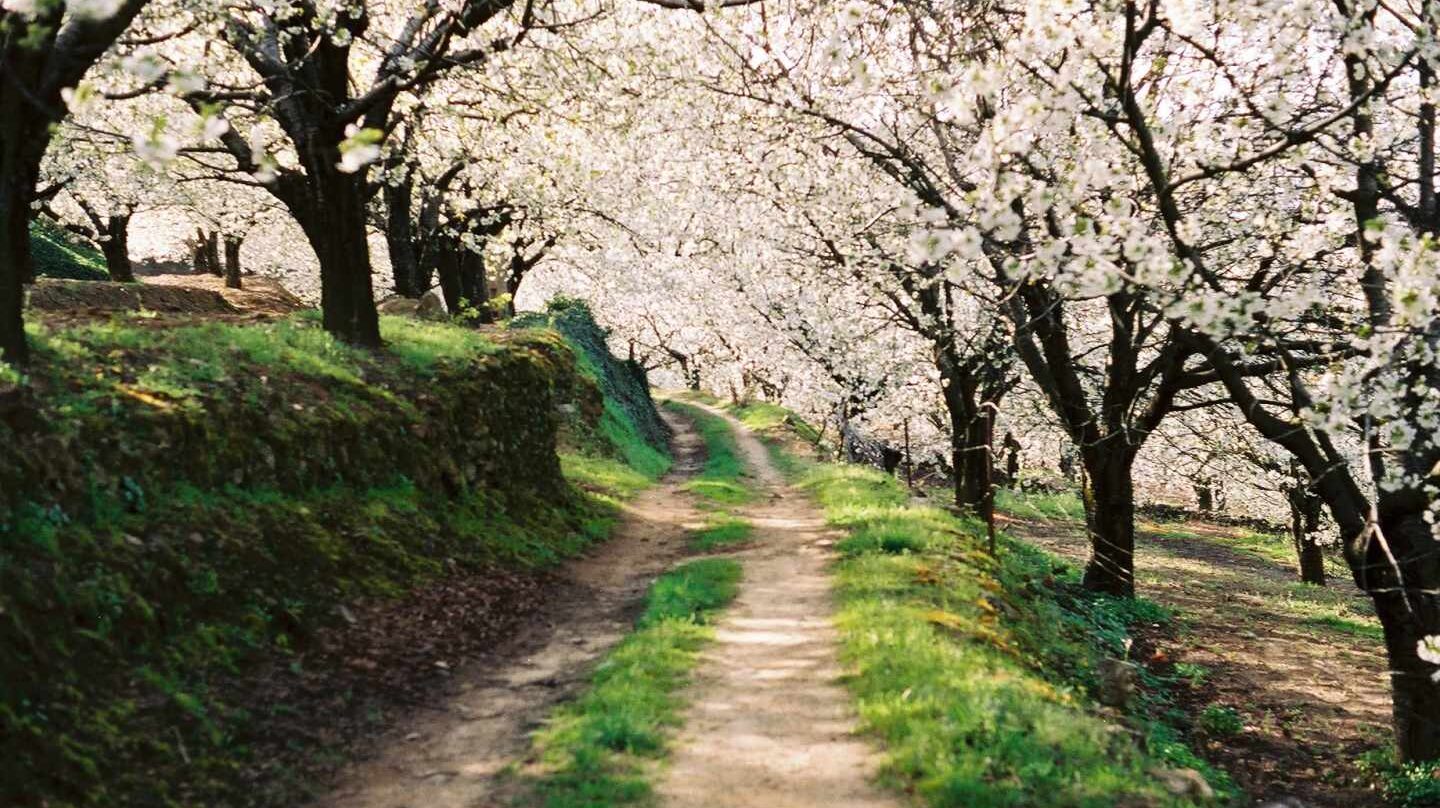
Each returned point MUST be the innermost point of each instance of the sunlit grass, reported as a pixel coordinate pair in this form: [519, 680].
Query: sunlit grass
[425, 345]
[719, 480]
[604, 475]
[979, 692]
[723, 531]
[1063, 506]
[592, 750]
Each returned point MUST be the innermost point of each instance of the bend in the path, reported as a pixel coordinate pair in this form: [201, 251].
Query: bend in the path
[448, 755]
[768, 723]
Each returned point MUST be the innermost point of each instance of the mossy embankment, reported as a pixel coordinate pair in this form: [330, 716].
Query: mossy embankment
[200, 525]
[980, 674]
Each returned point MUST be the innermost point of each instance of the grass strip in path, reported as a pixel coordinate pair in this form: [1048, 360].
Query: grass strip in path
[722, 532]
[975, 673]
[720, 479]
[592, 750]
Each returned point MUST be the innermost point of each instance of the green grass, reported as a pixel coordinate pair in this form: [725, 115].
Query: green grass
[723, 531]
[1407, 785]
[764, 418]
[426, 345]
[719, 480]
[975, 673]
[592, 750]
[1064, 506]
[60, 254]
[604, 475]
[1220, 721]
[138, 610]
[179, 363]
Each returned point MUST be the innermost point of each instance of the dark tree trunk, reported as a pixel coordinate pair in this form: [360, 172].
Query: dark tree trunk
[472, 284]
[40, 54]
[212, 254]
[1304, 521]
[1110, 521]
[330, 206]
[1409, 612]
[14, 266]
[400, 238]
[1312, 561]
[232, 261]
[969, 433]
[116, 248]
[447, 268]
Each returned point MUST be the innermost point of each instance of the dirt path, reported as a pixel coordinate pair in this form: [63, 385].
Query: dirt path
[1312, 694]
[449, 756]
[768, 725]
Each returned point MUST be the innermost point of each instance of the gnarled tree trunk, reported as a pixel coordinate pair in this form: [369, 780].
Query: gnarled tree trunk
[1304, 521]
[1409, 611]
[115, 245]
[232, 261]
[330, 207]
[1110, 521]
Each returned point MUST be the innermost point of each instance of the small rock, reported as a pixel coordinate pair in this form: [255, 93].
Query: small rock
[1117, 683]
[414, 736]
[1184, 783]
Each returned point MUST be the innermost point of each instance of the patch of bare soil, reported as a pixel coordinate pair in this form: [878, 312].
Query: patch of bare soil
[768, 723]
[259, 296]
[170, 297]
[103, 298]
[1312, 696]
[450, 747]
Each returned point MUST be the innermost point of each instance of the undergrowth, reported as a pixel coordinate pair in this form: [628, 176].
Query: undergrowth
[592, 750]
[976, 672]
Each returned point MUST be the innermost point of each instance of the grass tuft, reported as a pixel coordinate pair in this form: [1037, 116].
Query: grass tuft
[723, 531]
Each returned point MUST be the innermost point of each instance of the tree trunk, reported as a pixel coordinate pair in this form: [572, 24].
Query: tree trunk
[969, 433]
[447, 268]
[1304, 521]
[1110, 521]
[400, 238]
[330, 207]
[116, 248]
[232, 261]
[14, 267]
[472, 284]
[212, 254]
[1409, 613]
[199, 256]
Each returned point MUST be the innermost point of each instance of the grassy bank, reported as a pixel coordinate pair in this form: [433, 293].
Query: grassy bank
[592, 751]
[192, 517]
[977, 673]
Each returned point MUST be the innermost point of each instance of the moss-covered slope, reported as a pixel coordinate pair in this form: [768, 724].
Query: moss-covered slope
[182, 508]
[627, 425]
